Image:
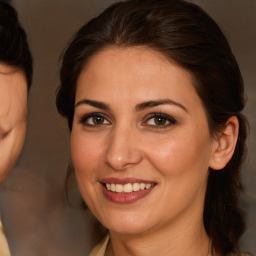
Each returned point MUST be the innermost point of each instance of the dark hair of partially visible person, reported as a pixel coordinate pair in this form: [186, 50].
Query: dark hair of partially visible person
[14, 49]
[185, 34]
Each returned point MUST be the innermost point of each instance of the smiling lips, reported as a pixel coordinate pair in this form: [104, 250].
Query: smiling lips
[126, 191]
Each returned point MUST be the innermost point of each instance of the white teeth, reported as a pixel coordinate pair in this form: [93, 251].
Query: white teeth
[119, 188]
[127, 188]
[113, 187]
[136, 186]
[148, 186]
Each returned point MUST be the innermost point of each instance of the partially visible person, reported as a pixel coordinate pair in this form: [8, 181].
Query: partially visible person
[15, 81]
[153, 97]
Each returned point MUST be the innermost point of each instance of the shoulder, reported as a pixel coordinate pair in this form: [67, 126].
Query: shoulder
[4, 248]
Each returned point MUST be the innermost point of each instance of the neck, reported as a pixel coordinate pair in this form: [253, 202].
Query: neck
[190, 239]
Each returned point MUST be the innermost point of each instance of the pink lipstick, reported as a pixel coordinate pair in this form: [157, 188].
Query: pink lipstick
[126, 190]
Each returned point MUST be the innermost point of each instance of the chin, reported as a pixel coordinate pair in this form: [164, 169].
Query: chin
[126, 224]
[128, 230]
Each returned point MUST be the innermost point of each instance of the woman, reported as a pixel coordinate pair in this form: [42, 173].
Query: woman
[15, 81]
[153, 96]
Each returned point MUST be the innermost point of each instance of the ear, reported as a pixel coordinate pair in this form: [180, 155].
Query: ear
[224, 144]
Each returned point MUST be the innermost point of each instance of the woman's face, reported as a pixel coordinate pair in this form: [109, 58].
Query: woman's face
[140, 141]
[13, 112]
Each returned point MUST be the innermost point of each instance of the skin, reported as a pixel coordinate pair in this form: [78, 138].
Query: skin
[130, 143]
[13, 113]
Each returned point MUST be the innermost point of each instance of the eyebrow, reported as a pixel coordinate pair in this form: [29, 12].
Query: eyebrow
[139, 107]
[155, 103]
[7, 73]
[93, 103]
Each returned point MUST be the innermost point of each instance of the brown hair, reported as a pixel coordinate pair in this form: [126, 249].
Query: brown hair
[184, 33]
[14, 48]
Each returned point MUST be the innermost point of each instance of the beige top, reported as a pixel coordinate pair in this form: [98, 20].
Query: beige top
[100, 248]
[4, 248]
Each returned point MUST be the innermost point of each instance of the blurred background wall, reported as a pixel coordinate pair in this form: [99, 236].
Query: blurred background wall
[38, 219]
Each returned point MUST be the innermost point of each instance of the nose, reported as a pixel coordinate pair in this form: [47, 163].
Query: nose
[123, 150]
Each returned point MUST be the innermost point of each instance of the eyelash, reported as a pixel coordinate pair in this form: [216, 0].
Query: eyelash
[84, 120]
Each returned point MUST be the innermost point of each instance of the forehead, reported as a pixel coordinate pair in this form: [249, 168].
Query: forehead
[132, 71]
[127, 55]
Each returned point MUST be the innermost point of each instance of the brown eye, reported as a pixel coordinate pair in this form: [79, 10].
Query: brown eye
[98, 120]
[94, 119]
[160, 120]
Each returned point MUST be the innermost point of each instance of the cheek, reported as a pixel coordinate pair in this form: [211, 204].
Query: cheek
[85, 152]
[179, 154]
[87, 160]
[5, 158]
[10, 148]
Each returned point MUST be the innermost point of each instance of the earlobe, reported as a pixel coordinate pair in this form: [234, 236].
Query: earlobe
[224, 145]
